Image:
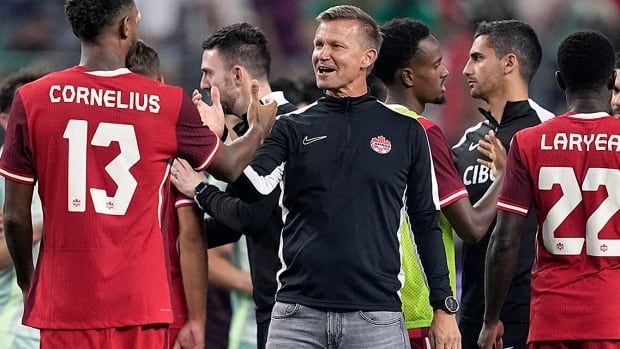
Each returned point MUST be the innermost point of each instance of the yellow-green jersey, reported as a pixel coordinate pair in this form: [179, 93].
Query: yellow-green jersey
[415, 294]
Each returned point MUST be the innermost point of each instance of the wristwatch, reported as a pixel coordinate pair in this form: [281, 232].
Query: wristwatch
[198, 190]
[449, 304]
[202, 186]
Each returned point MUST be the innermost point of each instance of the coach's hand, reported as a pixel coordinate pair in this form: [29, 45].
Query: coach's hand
[260, 115]
[183, 176]
[444, 332]
[491, 335]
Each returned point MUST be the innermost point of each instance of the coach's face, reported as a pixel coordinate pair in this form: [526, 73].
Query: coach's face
[341, 57]
[215, 72]
[615, 99]
[483, 70]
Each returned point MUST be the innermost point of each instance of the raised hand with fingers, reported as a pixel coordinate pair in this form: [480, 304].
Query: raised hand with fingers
[492, 148]
[491, 336]
[211, 115]
[260, 115]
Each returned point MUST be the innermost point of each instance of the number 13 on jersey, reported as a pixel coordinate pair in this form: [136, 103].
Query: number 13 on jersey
[118, 169]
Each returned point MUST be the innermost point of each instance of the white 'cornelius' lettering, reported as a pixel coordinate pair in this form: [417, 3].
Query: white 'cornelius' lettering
[105, 98]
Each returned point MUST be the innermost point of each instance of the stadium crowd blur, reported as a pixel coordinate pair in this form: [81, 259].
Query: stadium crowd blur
[177, 27]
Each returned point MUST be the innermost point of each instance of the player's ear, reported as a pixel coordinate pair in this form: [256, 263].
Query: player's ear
[510, 63]
[238, 74]
[560, 80]
[406, 77]
[612, 81]
[124, 29]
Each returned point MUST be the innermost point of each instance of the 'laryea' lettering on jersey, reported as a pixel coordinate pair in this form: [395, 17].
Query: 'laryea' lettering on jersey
[580, 142]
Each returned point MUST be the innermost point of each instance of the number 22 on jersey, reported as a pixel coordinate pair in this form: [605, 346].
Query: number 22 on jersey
[571, 198]
[118, 169]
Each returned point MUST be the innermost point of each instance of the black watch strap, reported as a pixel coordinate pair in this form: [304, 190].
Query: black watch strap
[449, 304]
[200, 189]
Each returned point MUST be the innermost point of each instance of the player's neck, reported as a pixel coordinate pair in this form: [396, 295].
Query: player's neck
[406, 98]
[101, 57]
[588, 101]
[510, 93]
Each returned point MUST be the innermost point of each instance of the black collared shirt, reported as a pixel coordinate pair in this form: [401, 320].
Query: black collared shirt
[478, 179]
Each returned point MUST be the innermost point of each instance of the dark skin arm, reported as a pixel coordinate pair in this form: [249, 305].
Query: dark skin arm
[501, 264]
[471, 222]
[18, 231]
[194, 271]
[232, 159]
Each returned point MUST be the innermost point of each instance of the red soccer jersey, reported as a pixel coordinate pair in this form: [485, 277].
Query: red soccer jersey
[568, 169]
[179, 304]
[99, 144]
[450, 186]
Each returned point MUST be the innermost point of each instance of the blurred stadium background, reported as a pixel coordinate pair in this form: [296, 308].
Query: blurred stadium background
[36, 33]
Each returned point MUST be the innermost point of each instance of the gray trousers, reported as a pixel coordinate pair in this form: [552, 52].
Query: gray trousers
[298, 326]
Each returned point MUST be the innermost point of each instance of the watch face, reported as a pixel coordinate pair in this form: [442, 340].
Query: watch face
[452, 305]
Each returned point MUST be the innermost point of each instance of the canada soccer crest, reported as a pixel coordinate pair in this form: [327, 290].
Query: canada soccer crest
[381, 145]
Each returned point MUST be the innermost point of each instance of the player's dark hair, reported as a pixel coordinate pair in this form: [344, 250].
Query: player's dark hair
[242, 44]
[376, 87]
[143, 60]
[617, 65]
[586, 60]
[10, 84]
[88, 18]
[511, 36]
[401, 38]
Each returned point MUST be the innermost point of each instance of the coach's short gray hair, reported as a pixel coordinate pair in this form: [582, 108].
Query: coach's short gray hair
[368, 24]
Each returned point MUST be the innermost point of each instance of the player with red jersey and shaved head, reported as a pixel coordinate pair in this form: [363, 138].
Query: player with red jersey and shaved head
[98, 139]
[568, 171]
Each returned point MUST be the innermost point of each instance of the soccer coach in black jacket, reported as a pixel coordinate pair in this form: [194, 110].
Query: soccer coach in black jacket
[348, 166]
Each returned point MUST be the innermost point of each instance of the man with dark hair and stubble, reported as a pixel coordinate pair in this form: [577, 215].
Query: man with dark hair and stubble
[233, 56]
[348, 165]
[99, 141]
[566, 172]
[615, 98]
[502, 61]
[411, 65]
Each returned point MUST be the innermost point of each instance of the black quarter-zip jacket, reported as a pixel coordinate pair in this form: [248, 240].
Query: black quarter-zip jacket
[348, 167]
[477, 179]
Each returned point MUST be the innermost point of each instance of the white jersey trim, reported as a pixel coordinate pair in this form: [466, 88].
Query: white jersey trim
[16, 176]
[589, 116]
[160, 199]
[109, 73]
[543, 114]
[460, 193]
[265, 184]
[468, 131]
[209, 159]
[513, 208]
